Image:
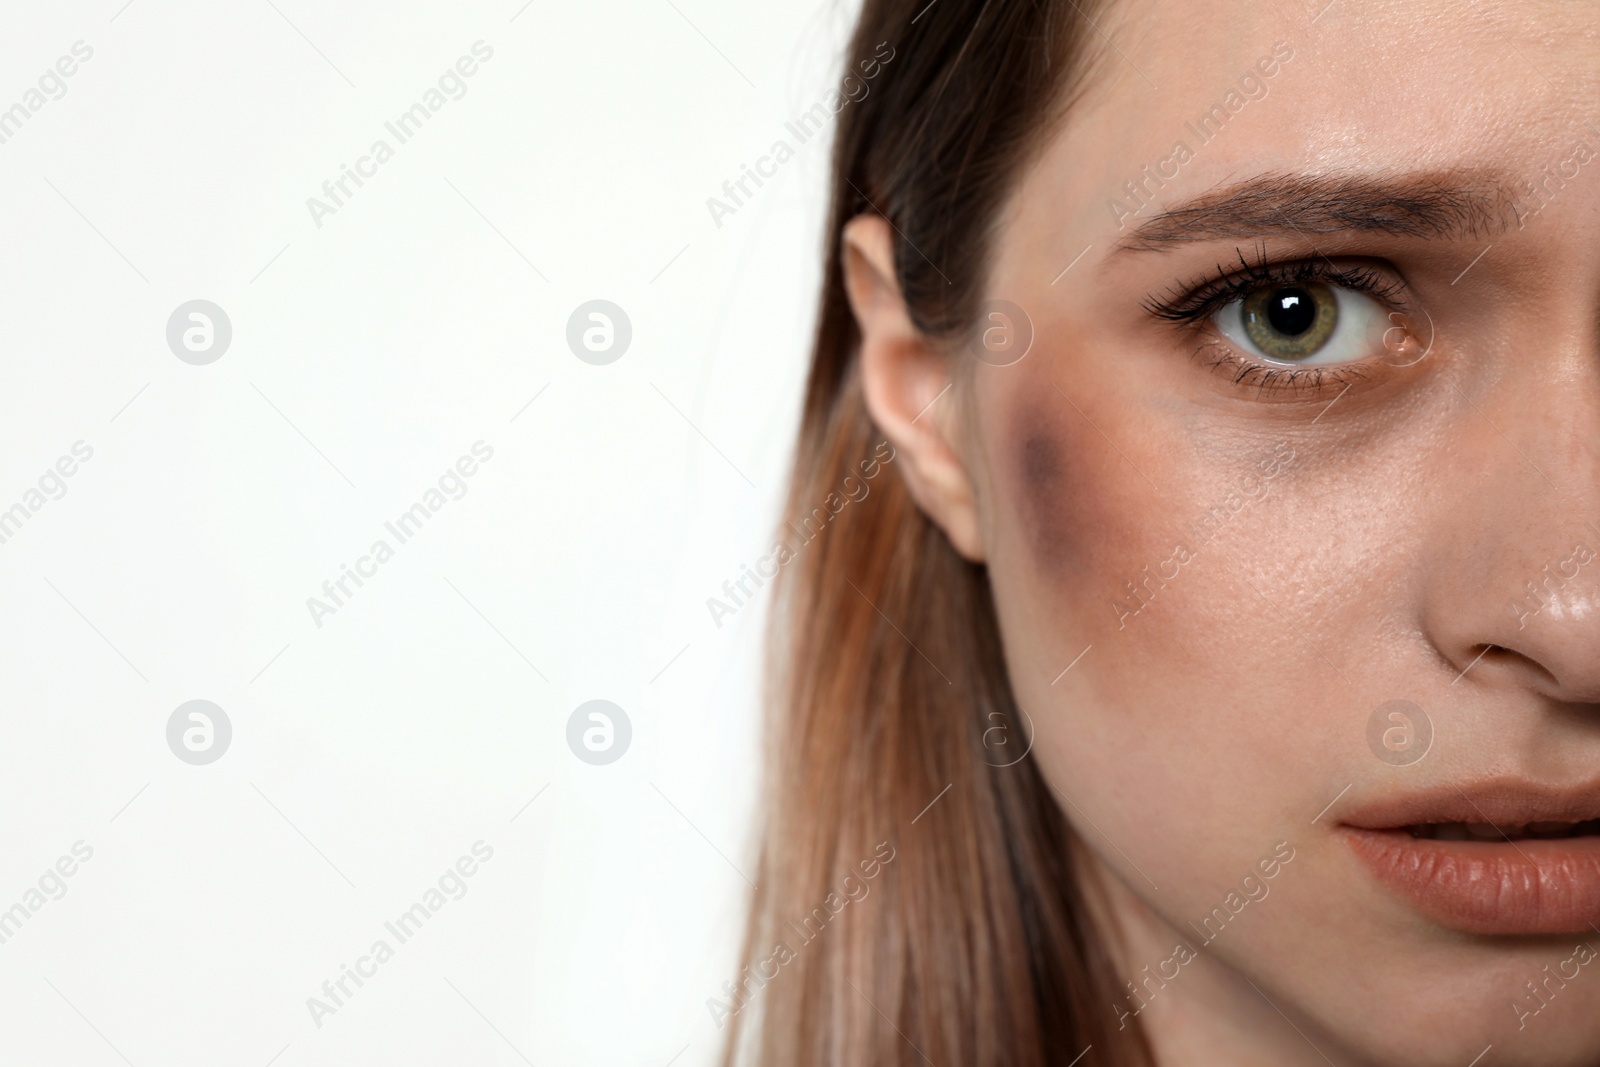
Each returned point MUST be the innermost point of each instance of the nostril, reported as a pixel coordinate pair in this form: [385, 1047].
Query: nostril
[1483, 653]
[1492, 655]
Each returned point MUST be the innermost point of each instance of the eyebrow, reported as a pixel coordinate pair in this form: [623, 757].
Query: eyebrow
[1453, 205]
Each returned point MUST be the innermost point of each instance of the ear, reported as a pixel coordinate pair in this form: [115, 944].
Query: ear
[908, 382]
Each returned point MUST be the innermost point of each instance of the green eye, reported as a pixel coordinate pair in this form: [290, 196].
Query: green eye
[1299, 315]
[1290, 323]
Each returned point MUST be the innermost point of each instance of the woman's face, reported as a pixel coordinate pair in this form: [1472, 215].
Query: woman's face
[1310, 424]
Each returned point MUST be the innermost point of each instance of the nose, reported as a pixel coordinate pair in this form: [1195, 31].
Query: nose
[1514, 594]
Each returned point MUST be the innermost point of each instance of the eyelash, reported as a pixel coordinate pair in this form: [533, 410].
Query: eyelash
[1190, 306]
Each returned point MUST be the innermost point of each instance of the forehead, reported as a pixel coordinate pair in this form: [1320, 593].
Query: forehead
[1347, 87]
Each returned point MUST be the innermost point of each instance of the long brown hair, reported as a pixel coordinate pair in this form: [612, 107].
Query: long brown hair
[917, 902]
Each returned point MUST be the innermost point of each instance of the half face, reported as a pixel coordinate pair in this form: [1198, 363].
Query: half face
[1301, 477]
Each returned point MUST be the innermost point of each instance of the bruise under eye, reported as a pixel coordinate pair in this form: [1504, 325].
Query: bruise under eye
[1040, 463]
[1055, 499]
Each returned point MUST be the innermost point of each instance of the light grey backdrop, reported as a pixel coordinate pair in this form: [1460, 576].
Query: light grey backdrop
[177, 516]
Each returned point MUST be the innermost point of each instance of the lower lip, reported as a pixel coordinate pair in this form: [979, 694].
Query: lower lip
[1535, 886]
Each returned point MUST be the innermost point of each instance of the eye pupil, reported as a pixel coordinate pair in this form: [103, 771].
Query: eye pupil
[1290, 323]
[1291, 311]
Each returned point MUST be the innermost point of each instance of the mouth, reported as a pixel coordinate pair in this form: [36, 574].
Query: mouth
[1503, 857]
[1482, 831]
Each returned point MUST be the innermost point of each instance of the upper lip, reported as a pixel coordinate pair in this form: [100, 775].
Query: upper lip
[1498, 802]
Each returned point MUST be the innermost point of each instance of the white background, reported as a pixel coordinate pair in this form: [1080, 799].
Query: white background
[368, 354]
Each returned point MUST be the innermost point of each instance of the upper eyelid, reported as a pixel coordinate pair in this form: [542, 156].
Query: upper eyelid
[1193, 302]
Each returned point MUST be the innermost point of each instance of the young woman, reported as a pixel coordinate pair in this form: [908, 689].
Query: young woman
[1207, 668]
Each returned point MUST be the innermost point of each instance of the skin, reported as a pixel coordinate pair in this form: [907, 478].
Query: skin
[1230, 714]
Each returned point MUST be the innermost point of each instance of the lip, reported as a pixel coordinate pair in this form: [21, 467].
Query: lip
[1528, 886]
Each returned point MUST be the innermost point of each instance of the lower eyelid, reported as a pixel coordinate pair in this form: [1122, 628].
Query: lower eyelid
[1303, 382]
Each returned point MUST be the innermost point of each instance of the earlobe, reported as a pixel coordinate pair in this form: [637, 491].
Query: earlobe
[908, 381]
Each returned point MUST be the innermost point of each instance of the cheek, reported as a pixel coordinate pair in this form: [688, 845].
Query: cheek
[1057, 499]
[1074, 515]
[1041, 469]
[1088, 550]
